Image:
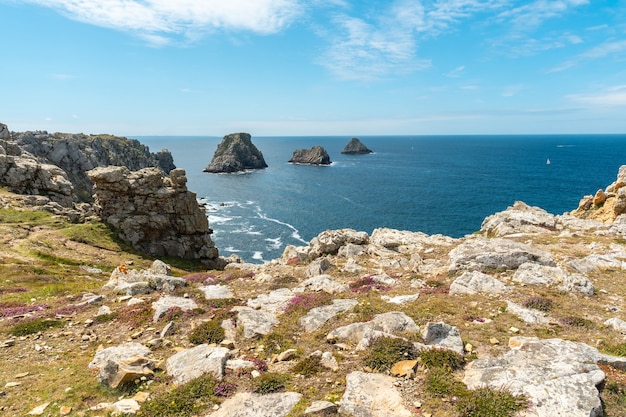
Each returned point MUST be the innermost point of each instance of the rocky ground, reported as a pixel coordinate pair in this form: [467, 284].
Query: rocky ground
[532, 305]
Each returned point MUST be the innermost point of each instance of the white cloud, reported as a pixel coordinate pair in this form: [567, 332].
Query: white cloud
[614, 96]
[456, 73]
[529, 16]
[611, 48]
[158, 20]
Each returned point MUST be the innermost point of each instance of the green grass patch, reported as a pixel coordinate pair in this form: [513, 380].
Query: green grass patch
[28, 217]
[185, 400]
[35, 326]
[385, 351]
[615, 349]
[207, 332]
[269, 382]
[311, 365]
[441, 359]
[93, 234]
[486, 401]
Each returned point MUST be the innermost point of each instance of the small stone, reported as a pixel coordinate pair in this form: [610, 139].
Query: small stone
[37, 411]
[12, 384]
[469, 347]
[404, 368]
[136, 335]
[287, 355]
[513, 330]
[417, 404]
[141, 397]
[88, 322]
[65, 410]
[7, 343]
[22, 375]
[255, 374]
[227, 343]
[494, 341]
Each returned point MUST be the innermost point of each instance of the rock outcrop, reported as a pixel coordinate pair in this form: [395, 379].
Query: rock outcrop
[356, 147]
[156, 214]
[317, 155]
[606, 205]
[236, 153]
[47, 164]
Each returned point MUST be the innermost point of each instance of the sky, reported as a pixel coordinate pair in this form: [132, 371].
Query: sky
[316, 67]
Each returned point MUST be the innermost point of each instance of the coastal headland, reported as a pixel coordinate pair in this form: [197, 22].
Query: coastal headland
[527, 315]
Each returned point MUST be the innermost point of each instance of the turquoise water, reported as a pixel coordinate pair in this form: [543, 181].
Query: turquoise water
[433, 184]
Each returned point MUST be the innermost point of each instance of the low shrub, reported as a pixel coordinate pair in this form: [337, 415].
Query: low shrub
[310, 365]
[304, 302]
[366, 284]
[574, 321]
[183, 401]
[489, 402]
[35, 326]
[539, 303]
[441, 359]
[269, 382]
[135, 315]
[385, 351]
[440, 382]
[615, 350]
[207, 332]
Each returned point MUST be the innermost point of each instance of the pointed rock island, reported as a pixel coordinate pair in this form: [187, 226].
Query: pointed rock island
[356, 147]
[317, 155]
[236, 153]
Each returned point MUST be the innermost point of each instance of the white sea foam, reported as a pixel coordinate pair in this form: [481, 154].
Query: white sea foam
[219, 219]
[295, 231]
[231, 249]
[258, 256]
[274, 243]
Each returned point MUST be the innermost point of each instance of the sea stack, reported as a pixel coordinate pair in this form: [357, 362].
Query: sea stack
[356, 147]
[314, 156]
[236, 153]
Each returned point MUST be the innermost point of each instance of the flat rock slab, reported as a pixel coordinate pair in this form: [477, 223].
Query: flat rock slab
[393, 322]
[119, 353]
[321, 283]
[216, 292]
[192, 363]
[372, 395]
[443, 336]
[273, 302]
[255, 322]
[166, 302]
[480, 254]
[246, 404]
[559, 377]
[475, 282]
[317, 316]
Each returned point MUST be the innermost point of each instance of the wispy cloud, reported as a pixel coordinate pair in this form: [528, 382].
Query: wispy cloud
[456, 73]
[511, 90]
[610, 48]
[159, 21]
[614, 96]
[388, 42]
[531, 15]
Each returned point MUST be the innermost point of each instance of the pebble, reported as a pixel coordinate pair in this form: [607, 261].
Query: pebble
[65, 410]
[513, 330]
[12, 384]
[494, 341]
[37, 411]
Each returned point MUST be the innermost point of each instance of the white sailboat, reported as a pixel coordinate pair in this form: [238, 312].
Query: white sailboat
[548, 161]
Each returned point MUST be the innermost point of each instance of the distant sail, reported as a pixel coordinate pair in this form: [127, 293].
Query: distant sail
[548, 161]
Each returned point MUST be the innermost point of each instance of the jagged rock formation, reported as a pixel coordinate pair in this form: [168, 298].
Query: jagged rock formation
[156, 214]
[606, 205]
[236, 153]
[356, 147]
[314, 156]
[49, 161]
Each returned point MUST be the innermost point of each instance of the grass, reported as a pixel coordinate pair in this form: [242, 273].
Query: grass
[539, 303]
[94, 234]
[618, 349]
[207, 332]
[386, 351]
[185, 400]
[441, 359]
[311, 365]
[483, 402]
[35, 326]
[269, 382]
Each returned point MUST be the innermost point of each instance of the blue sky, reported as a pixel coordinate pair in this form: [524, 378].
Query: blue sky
[316, 67]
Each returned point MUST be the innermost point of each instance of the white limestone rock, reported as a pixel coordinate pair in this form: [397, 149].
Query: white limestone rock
[476, 282]
[192, 363]
[247, 404]
[316, 317]
[372, 395]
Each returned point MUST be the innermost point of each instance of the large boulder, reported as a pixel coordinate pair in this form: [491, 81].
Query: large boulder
[236, 153]
[245, 404]
[317, 155]
[355, 147]
[559, 377]
[482, 254]
[372, 395]
[155, 214]
[520, 218]
[4, 131]
[191, 363]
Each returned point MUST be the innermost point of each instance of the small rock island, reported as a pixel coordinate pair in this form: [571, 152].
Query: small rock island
[236, 153]
[317, 155]
[356, 147]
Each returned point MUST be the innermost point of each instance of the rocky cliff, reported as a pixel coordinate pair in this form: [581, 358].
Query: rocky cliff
[606, 205]
[55, 165]
[356, 147]
[156, 214]
[236, 153]
[317, 155]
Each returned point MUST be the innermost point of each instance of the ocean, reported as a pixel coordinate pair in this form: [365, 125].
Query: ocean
[431, 184]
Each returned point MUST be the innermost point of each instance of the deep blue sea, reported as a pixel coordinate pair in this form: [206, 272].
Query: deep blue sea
[432, 184]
